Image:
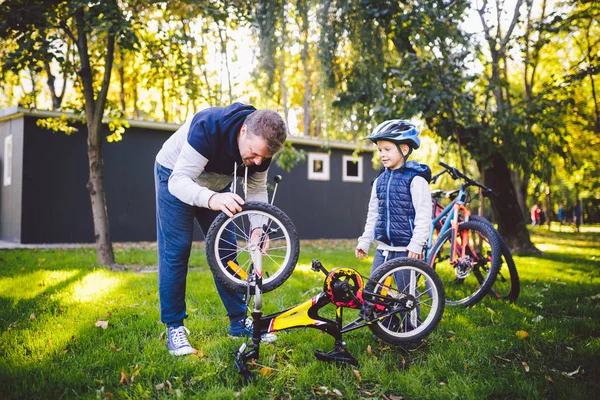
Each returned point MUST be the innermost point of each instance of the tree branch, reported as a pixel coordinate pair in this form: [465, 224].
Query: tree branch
[512, 24]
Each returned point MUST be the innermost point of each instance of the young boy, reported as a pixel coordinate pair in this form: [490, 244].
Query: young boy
[399, 214]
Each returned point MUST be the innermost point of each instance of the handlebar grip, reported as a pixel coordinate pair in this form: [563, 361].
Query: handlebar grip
[444, 165]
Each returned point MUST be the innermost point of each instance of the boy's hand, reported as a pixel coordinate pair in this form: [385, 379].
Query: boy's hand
[418, 256]
[360, 254]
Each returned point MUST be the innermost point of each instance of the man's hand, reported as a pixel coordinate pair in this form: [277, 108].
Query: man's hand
[418, 256]
[229, 203]
[255, 238]
[360, 254]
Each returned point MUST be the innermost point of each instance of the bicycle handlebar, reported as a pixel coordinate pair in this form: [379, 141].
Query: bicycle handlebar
[455, 174]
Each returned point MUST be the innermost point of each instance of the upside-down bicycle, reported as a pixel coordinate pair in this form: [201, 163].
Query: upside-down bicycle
[405, 296]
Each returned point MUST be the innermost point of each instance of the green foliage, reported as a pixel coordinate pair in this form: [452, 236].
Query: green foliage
[289, 156]
[50, 347]
[61, 124]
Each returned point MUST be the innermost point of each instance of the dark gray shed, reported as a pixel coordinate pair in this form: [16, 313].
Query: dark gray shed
[43, 197]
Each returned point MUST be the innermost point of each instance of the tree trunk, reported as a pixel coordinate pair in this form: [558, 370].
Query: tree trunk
[94, 108]
[506, 208]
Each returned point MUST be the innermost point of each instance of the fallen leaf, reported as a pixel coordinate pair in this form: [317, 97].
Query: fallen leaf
[357, 374]
[160, 386]
[501, 358]
[124, 380]
[321, 389]
[548, 378]
[526, 366]
[570, 374]
[169, 385]
[570, 348]
[392, 397]
[161, 337]
[101, 324]
[265, 371]
[369, 351]
[108, 395]
[522, 334]
[32, 316]
[113, 347]
[337, 393]
[136, 372]
[452, 338]
[442, 383]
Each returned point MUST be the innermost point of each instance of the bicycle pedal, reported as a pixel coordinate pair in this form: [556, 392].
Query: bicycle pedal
[338, 356]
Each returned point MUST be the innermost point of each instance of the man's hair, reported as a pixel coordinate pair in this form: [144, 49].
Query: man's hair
[269, 125]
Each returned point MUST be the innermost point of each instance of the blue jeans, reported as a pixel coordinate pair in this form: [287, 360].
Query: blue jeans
[175, 227]
[402, 278]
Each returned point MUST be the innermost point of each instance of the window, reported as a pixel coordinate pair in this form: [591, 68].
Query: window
[352, 169]
[318, 166]
[8, 153]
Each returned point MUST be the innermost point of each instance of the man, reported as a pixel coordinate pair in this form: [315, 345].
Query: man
[193, 175]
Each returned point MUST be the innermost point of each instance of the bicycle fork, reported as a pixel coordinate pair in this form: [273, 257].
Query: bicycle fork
[244, 354]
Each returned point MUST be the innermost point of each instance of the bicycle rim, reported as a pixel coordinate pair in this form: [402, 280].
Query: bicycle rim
[470, 276]
[233, 257]
[419, 304]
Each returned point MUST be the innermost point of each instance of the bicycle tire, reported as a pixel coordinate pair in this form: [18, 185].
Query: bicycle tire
[504, 288]
[462, 289]
[429, 307]
[285, 246]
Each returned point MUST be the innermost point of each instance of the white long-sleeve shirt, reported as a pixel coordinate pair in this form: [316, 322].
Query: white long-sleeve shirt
[421, 200]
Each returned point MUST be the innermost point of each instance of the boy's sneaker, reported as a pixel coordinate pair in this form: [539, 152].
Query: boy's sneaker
[177, 341]
[245, 329]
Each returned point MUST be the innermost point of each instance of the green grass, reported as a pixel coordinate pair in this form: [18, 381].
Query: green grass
[50, 347]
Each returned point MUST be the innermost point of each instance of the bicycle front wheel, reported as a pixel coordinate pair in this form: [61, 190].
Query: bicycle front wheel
[507, 285]
[228, 247]
[476, 251]
[408, 300]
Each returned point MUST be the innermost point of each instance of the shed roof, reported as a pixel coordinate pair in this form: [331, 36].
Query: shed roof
[18, 111]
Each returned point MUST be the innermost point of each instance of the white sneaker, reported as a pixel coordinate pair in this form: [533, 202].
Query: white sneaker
[246, 330]
[177, 341]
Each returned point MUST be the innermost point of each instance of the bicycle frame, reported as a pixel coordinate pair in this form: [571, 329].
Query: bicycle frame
[451, 212]
[306, 315]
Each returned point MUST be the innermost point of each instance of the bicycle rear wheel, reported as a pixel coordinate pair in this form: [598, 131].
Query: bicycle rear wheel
[481, 253]
[507, 285]
[228, 247]
[408, 299]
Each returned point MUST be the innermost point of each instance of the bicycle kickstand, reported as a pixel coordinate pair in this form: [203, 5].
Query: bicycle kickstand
[338, 355]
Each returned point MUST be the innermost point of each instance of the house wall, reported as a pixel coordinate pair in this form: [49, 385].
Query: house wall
[56, 205]
[10, 194]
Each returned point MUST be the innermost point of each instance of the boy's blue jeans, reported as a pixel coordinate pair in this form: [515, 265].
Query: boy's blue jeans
[175, 227]
[402, 278]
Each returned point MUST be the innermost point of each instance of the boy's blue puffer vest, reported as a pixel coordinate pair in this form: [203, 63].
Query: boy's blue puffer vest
[396, 213]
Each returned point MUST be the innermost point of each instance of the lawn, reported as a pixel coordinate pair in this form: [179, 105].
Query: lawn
[545, 345]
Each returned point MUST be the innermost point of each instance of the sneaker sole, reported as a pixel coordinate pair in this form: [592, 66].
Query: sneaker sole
[182, 352]
[268, 339]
